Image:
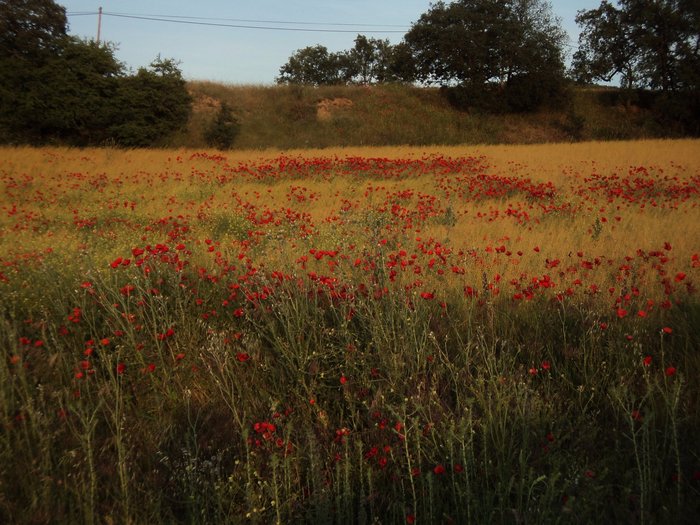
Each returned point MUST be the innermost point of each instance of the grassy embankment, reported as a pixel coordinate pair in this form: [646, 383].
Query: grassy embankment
[288, 117]
[478, 334]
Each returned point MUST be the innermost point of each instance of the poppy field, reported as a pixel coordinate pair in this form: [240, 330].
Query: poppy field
[396, 335]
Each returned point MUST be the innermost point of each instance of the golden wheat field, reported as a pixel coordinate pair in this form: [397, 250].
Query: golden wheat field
[470, 334]
[603, 199]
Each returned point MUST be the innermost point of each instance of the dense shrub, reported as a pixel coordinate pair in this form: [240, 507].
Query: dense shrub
[224, 129]
[55, 88]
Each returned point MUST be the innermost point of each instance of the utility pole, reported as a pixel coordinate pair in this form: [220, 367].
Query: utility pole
[99, 23]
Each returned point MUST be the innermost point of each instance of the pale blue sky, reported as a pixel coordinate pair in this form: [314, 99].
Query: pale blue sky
[252, 56]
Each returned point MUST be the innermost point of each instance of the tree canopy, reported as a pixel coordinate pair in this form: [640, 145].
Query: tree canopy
[59, 88]
[369, 61]
[312, 65]
[651, 44]
[500, 54]
[29, 28]
[647, 44]
[508, 49]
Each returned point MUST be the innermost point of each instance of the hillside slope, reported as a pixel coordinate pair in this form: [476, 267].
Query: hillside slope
[300, 117]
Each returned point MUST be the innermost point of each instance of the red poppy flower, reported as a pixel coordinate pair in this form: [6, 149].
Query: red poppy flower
[439, 470]
[671, 371]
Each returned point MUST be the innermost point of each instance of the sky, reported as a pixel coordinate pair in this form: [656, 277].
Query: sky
[215, 50]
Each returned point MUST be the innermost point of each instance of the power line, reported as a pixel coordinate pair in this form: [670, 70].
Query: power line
[255, 21]
[243, 26]
[200, 22]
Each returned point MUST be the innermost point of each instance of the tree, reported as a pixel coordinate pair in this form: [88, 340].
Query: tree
[605, 47]
[313, 65]
[494, 51]
[73, 94]
[401, 64]
[371, 60]
[648, 43]
[66, 95]
[152, 104]
[30, 28]
[32, 33]
[224, 129]
[58, 88]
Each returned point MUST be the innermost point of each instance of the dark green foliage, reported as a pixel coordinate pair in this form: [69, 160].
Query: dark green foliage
[31, 34]
[151, 105]
[30, 29]
[64, 96]
[224, 129]
[312, 65]
[605, 47]
[370, 61]
[679, 113]
[646, 44]
[494, 56]
[59, 89]
[375, 61]
[505, 56]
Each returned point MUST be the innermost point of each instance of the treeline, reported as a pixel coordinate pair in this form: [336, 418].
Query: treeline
[653, 48]
[510, 56]
[491, 56]
[496, 56]
[58, 88]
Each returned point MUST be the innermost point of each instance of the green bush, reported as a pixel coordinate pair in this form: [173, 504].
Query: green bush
[55, 88]
[150, 105]
[224, 129]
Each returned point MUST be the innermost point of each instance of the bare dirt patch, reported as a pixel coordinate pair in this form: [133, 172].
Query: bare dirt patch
[328, 107]
[204, 103]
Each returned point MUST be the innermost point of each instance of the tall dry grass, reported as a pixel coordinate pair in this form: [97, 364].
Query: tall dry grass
[286, 117]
